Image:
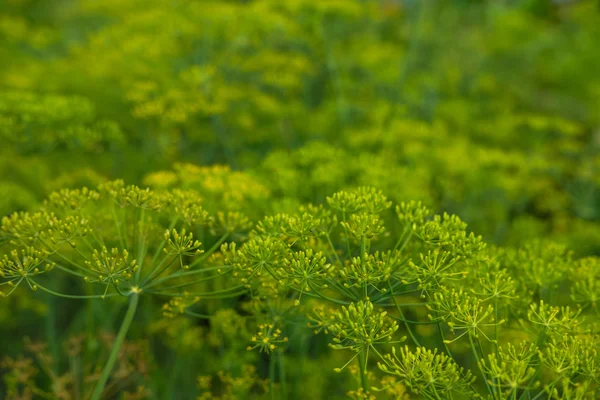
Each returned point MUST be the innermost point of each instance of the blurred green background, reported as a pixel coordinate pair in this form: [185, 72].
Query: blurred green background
[489, 109]
[486, 109]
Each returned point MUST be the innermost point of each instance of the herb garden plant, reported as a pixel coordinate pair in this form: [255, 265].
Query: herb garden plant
[265, 199]
[416, 304]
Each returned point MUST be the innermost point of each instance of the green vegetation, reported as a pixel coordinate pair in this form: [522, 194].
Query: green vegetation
[379, 199]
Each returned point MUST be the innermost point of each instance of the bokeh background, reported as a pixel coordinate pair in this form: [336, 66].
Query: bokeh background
[486, 109]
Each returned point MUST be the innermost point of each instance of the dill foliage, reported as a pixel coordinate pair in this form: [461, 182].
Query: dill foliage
[265, 199]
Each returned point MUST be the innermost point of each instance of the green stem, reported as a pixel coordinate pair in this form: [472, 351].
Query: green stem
[68, 296]
[110, 363]
[335, 254]
[51, 324]
[496, 316]
[325, 297]
[410, 332]
[402, 242]
[159, 269]
[349, 253]
[118, 226]
[362, 364]
[13, 288]
[495, 343]
[435, 393]
[180, 274]
[272, 376]
[228, 293]
[441, 332]
[136, 241]
[163, 242]
[196, 315]
[68, 271]
[550, 387]
[477, 359]
[206, 278]
[282, 381]
[540, 342]
[316, 296]
[340, 288]
[211, 250]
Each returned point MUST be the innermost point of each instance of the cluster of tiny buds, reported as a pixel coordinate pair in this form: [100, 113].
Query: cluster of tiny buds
[267, 339]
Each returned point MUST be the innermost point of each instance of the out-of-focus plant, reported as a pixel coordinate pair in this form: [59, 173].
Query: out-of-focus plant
[132, 369]
[460, 120]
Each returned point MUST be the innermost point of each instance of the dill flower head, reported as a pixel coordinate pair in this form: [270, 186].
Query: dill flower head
[182, 244]
[512, 368]
[111, 267]
[22, 265]
[131, 195]
[428, 372]
[364, 199]
[267, 339]
[305, 270]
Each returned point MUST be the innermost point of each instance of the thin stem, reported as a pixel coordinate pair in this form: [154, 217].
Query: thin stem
[495, 342]
[13, 288]
[549, 388]
[98, 240]
[193, 314]
[402, 242]
[118, 226]
[191, 282]
[142, 249]
[163, 242]
[205, 295]
[417, 322]
[181, 274]
[540, 342]
[157, 269]
[437, 396]
[211, 250]
[325, 297]
[68, 296]
[441, 332]
[316, 296]
[334, 250]
[483, 374]
[51, 322]
[80, 253]
[496, 325]
[410, 332]
[340, 288]
[403, 304]
[362, 364]
[282, 380]
[63, 257]
[67, 270]
[110, 363]
[272, 376]
[346, 235]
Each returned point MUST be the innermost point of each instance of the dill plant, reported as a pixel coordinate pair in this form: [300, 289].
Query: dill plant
[123, 242]
[461, 305]
[399, 100]
[416, 302]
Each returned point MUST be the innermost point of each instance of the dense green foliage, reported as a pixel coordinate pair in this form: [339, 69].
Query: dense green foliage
[269, 199]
